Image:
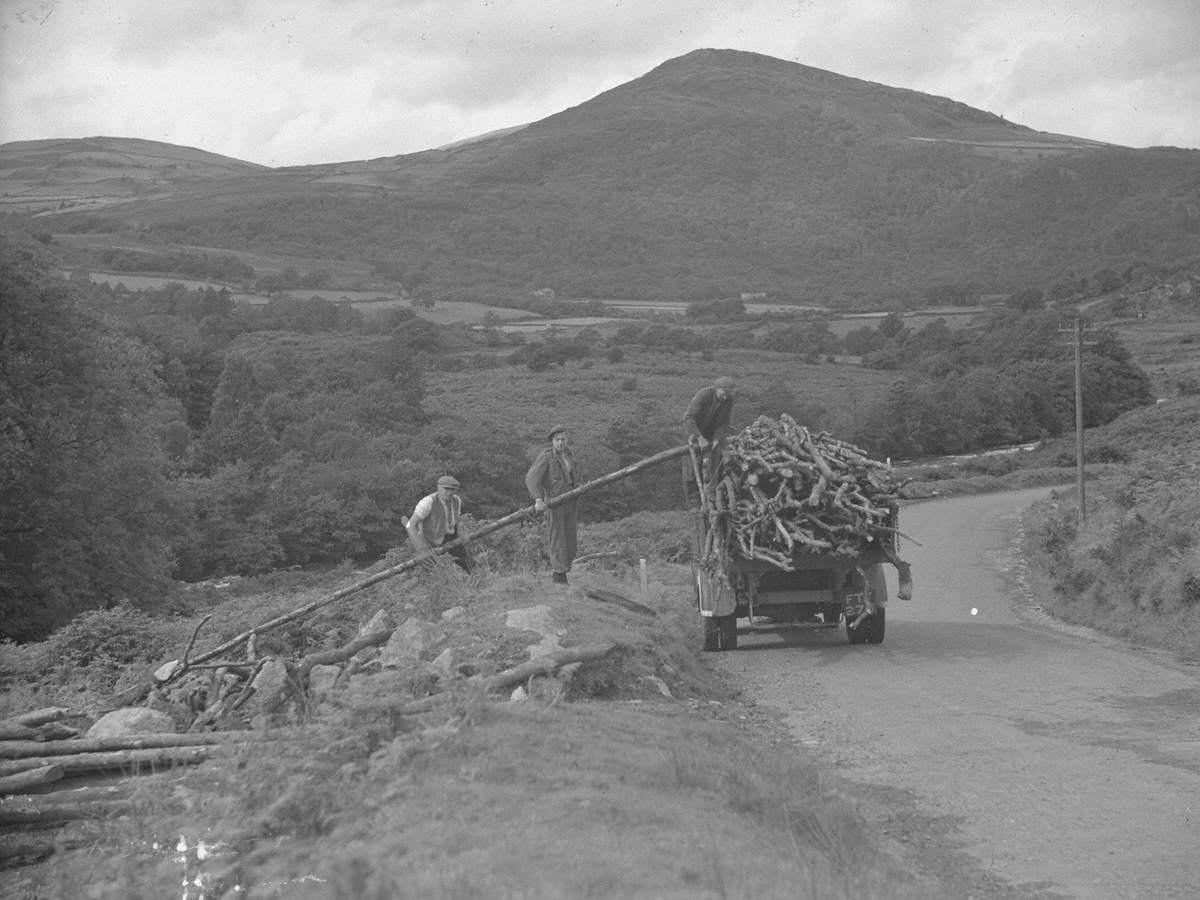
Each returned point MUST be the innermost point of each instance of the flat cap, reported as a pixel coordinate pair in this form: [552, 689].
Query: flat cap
[557, 429]
[449, 481]
[725, 383]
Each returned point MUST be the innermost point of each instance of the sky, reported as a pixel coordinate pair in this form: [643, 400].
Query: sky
[292, 82]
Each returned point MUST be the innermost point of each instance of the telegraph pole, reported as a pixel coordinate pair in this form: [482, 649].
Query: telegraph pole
[1080, 480]
[1076, 332]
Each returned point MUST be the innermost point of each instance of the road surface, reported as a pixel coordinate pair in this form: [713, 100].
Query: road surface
[1063, 763]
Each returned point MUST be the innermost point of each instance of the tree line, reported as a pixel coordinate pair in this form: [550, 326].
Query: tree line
[171, 434]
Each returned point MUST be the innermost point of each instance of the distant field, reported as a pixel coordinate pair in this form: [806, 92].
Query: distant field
[448, 312]
[443, 313]
[1166, 344]
[589, 397]
[155, 282]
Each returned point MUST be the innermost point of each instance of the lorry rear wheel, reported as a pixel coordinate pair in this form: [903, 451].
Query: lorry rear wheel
[720, 632]
[871, 630]
[876, 624]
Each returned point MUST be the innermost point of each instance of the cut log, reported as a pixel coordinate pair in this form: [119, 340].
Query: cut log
[341, 654]
[12, 731]
[37, 717]
[44, 814]
[23, 781]
[544, 665]
[786, 491]
[125, 760]
[27, 749]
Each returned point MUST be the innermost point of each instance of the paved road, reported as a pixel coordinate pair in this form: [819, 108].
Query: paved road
[1068, 762]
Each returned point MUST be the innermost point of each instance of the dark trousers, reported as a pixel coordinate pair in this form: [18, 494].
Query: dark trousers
[561, 536]
[460, 554]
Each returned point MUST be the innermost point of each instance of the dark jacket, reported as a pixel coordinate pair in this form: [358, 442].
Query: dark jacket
[548, 476]
[708, 416]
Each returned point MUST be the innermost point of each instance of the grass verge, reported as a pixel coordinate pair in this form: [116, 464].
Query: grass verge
[1132, 569]
[641, 775]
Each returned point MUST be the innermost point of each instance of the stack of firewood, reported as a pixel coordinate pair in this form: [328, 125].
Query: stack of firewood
[784, 490]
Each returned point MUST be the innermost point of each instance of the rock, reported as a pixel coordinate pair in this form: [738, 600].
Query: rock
[381, 621]
[272, 687]
[518, 694]
[660, 684]
[165, 671]
[454, 612]
[131, 720]
[181, 714]
[443, 666]
[409, 643]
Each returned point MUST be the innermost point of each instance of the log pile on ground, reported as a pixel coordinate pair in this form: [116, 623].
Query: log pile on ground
[784, 490]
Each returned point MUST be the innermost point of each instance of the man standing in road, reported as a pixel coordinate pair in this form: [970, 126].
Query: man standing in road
[435, 518]
[707, 420]
[554, 472]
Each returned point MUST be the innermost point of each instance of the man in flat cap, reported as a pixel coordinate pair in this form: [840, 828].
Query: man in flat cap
[707, 421]
[435, 521]
[554, 472]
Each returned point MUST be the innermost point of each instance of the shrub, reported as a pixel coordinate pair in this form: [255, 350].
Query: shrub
[94, 648]
[1105, 453]
[118, 636]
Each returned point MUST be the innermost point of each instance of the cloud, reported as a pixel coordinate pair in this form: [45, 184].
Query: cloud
[326, 80]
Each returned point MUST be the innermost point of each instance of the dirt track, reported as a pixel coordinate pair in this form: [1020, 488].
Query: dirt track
[1063, 763]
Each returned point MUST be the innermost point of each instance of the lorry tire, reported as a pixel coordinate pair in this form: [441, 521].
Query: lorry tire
[872, 629]
[875, 626]
[720, 632]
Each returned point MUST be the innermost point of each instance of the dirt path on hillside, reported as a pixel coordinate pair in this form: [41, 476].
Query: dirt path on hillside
[1060, 762]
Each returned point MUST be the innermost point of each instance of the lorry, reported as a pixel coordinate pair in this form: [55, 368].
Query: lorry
[794, 532]
[811, 590]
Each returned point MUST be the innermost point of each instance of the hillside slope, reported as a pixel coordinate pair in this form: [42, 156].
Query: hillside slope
[716, 173]
[97, 172]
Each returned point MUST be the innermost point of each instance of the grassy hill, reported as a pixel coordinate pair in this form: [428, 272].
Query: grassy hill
[100, 172]
[716, 173]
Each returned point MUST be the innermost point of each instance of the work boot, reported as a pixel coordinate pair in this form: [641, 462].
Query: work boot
[559, 577]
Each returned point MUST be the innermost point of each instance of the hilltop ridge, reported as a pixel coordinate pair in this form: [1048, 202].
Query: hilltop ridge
[715, 173]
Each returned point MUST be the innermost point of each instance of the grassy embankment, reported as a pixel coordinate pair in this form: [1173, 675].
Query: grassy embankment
[639, 776]
[1133, 567]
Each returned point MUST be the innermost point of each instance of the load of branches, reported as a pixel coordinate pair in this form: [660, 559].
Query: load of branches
[783, 490]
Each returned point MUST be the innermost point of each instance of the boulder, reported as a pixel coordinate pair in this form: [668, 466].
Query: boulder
[131, 720]
[272, 687]
[443, 665]
[381, 621]
[409, 643]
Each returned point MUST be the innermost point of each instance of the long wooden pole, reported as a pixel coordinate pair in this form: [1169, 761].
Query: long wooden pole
[408, 565]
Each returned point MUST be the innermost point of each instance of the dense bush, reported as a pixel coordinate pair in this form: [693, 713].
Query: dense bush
[87, 515]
